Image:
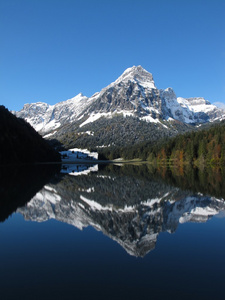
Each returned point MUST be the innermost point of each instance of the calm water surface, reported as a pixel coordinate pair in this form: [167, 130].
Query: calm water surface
[111, 232]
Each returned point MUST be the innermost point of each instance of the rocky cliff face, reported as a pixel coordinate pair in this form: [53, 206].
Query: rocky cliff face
[44, 117]
[133, 94]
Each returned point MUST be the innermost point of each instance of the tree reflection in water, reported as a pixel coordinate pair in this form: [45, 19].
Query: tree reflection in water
[130, 204]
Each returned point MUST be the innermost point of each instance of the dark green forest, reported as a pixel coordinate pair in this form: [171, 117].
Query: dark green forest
[20, 143]
[203, 147]
[117, 131]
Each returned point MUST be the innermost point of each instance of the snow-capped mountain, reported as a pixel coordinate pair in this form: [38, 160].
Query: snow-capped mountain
[44, 117]
[133, 94]
[120, 207]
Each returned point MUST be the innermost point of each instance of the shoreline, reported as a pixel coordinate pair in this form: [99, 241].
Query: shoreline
[93, 162]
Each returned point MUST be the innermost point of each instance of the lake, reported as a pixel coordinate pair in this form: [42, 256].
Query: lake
[111, 232]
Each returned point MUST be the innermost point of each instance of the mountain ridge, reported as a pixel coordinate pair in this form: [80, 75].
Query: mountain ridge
[133, 94]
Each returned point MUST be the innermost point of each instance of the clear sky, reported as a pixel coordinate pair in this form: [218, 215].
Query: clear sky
[51, 50]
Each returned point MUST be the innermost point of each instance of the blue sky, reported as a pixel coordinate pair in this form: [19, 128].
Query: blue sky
[51, 50]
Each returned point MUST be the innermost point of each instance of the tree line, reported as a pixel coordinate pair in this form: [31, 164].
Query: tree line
[196, 147]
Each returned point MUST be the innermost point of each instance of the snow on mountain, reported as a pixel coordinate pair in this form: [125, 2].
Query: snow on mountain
[190, 110]
[45, 118]
[133, 94]
[138, 75]
[200, 109]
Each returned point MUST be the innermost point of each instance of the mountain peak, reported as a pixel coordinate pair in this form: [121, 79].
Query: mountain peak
[137, 74]
[78, 97]
[133, 94]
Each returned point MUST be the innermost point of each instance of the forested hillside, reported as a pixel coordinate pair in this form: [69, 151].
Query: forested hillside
[117, 131]
[201, 147]
[197, 147]
[20, 143]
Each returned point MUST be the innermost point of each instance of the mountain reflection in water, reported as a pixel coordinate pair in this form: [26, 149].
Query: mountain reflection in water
[18, 184]
[130, 204]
